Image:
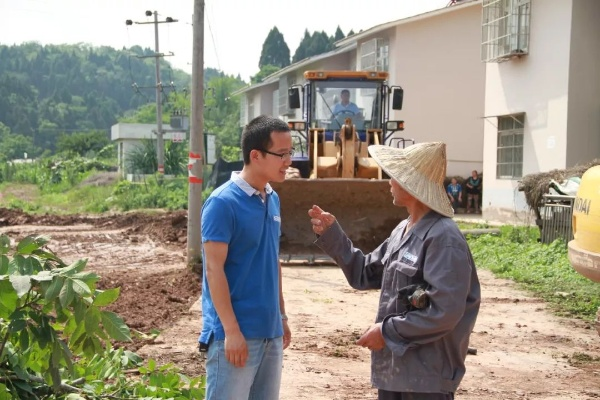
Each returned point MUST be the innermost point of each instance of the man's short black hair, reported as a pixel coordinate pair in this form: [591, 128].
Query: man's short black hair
[257, 134]
[345, 91]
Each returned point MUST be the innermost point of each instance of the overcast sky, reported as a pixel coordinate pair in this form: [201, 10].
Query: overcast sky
[234, 29]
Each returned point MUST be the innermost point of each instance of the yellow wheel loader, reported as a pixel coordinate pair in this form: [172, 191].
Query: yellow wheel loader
[343, 113]
[584, 249]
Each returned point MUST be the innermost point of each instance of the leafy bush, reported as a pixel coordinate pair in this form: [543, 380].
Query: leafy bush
[82, 143]
[143, 160]
[55, 339]
[170, 194]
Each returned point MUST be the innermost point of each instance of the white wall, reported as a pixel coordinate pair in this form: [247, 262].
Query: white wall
[583, 126]
[436, 60]
[129, 136]
[536, 84]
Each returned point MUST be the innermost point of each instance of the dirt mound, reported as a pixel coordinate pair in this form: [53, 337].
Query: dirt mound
[169, 227]
[11, 217]
[103, 178]
[150, 302]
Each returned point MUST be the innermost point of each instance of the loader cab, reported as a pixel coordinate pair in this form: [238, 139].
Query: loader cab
[333, 99]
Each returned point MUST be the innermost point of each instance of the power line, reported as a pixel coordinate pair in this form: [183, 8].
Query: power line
[160, 145]
[213, 42]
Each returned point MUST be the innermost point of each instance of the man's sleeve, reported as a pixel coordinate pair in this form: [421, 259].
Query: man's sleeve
[217, 221]
[362, 271]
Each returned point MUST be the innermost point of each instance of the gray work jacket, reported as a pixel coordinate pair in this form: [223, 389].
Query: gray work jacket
[425, 348]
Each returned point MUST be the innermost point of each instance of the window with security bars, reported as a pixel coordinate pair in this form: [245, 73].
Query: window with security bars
[505, 29]
[374, 55]
[510, 146]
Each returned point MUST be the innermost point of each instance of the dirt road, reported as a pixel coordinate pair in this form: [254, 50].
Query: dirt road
[523, 352]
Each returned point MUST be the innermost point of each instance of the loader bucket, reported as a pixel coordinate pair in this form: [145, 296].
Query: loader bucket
[363, 207]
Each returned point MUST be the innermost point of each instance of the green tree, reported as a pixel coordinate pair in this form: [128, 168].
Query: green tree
[315, 44]
[302, 50]
[275, 50]
[320, 43]
[339, 34]
[265, 71]
[15, 146]
[82, 143]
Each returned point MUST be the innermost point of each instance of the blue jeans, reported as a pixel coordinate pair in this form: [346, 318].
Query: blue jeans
[259, 379]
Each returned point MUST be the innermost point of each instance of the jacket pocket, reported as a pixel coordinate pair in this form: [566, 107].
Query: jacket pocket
[402, 276]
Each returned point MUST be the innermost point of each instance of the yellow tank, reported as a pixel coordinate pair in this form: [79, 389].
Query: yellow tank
[584, 249]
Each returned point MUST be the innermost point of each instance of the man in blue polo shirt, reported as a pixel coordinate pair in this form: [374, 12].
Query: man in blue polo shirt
[244, 324]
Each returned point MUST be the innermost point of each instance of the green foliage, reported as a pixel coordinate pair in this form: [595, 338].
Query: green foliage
[264, 72]
[60, 173]
[15, 146]
[55, 338]
[339, 34]
[543, 269]
[83, 143]
[315, 44]
[20, 172]
[275, 50]
[231, 153]
[143, 159]
[51, 89]
[222, 111]
[144, 114]
[170, 194]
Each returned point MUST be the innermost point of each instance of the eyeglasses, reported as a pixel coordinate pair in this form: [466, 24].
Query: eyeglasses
[284, 156]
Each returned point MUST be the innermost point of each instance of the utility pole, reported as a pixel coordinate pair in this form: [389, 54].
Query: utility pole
[196, 156]
[160, 143]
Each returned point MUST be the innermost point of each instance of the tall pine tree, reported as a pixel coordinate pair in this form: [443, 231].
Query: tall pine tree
[274, 51]
[339, 35]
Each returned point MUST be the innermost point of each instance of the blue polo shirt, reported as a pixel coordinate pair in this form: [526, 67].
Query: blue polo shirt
[236, 214]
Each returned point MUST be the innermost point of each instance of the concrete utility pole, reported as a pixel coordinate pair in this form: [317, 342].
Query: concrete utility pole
[196, 157]
[160, 143]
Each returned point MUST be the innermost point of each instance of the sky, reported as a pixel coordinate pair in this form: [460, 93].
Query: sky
[234, 30]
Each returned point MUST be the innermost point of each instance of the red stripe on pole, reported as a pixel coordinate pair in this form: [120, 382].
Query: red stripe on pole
[193, 179]
[195, 155]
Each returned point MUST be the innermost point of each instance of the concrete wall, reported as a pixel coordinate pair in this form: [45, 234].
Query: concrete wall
[437, 62]
[583, 125]
[536, 84]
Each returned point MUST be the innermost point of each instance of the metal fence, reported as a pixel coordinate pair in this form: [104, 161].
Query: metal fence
[557, 218]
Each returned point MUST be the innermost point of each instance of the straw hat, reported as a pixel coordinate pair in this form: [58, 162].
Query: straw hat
[420, 169]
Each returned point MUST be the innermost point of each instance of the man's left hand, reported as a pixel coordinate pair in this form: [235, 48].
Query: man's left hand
[372, 338]
[287, 334]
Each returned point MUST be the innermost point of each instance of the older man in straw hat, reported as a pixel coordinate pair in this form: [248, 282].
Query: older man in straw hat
[430, 292]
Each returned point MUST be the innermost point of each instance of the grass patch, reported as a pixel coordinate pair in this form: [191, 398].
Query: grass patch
[82, 199]
[542, 269]
[462, 225]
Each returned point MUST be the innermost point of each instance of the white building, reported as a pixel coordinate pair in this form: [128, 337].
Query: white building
[542, 94]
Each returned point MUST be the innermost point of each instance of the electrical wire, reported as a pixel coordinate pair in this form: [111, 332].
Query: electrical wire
[213, 41]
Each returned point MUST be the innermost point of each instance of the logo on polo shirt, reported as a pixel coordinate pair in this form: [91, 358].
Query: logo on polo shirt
[277, 218]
